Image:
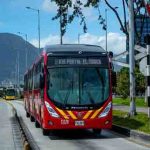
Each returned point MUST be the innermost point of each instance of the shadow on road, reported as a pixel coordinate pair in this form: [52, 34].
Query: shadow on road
[78, 135]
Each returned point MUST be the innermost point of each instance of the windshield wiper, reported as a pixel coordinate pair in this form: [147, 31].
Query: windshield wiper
[102, 81]
[91, 99]
[68, 92]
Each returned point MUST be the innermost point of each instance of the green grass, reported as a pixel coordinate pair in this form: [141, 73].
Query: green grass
[139, 122]
[140, 102]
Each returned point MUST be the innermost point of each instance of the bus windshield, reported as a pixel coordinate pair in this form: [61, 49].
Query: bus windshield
[78, 86]
[10, 92]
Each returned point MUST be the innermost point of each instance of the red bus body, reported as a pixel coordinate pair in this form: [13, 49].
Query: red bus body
[53, 114]
[147, 5]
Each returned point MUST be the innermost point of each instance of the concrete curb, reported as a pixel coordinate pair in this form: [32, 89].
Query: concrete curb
[133, 134]
[26, 143]
[29, 138]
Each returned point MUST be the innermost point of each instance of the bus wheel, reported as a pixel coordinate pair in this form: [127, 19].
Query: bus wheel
[45, 131]
[27, 114]
[37, 125]
[31, 118]
[97, 131]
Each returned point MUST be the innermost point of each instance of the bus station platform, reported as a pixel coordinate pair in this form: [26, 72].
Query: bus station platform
[9, 138]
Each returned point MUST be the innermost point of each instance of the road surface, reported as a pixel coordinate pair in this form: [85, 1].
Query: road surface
[10, 136]
[77, 139]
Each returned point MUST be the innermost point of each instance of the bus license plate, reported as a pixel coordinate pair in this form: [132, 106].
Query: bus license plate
[79, 123]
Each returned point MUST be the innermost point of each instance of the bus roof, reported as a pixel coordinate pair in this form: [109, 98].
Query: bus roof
[74, 48]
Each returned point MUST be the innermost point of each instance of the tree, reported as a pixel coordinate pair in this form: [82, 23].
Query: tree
[140, 81]
[123, 83]
[66, 17]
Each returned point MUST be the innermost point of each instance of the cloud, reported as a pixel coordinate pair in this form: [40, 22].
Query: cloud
[116, 41]
[49, 6]
[51, 39]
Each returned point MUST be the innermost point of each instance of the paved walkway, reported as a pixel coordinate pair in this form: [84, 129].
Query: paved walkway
[7, 137]
[126, 108]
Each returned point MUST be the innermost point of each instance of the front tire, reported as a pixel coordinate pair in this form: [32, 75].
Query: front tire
[27, 114]
[37, 125]
[45, 131]
[32, 119]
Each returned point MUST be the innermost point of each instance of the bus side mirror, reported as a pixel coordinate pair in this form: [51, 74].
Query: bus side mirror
[110, 54]
[113, 78]
[41, 81]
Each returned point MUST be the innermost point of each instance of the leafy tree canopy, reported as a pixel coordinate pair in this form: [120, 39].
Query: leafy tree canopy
[76, 6]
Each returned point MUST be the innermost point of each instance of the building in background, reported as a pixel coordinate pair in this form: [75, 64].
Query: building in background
[142, 28]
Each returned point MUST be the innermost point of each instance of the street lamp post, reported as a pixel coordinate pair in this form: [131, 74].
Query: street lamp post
[106, 25]
[38, 12]
[26, 50]
[106, 28]
[17, 68]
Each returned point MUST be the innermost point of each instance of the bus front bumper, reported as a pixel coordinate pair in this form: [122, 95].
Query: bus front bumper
[99, 123]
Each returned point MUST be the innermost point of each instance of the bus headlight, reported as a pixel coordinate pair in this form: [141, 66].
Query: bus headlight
[106, 110]
[51, 110]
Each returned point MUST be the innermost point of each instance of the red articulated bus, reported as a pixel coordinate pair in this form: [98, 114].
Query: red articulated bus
[69, 87]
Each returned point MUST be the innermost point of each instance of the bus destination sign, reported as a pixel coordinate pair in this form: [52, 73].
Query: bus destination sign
[77, 61]
[60, 61]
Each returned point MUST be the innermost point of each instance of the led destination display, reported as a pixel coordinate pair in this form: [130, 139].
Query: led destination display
[78, 61]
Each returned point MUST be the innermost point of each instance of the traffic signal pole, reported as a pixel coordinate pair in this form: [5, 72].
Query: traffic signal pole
[148, 73]
[148, 79]
[147, 41]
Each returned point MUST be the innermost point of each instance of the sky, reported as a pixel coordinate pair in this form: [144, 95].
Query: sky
[14, 18]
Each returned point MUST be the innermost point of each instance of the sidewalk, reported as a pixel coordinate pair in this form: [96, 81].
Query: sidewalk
[8, 139]
[126, 108]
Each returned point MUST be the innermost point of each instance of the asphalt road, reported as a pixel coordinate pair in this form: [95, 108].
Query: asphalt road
[77, 139]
